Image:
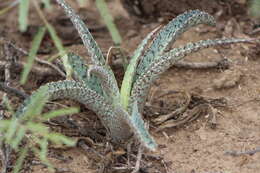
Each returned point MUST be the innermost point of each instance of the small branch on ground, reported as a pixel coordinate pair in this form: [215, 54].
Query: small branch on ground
[40, 71]
[40, 61]
[221, 64]
[188, 116]
[12, 91]
[5, 153]
[96, 155]
[238, 153]
[138, 160]
[162, 118]
[5, 150]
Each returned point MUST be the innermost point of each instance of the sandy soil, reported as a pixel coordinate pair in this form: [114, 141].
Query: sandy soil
[195, 147]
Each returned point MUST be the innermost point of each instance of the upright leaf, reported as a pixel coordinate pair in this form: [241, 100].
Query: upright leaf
[139, 129]
[80, 69]
[108, 82]
[131, 69]
[89, 42]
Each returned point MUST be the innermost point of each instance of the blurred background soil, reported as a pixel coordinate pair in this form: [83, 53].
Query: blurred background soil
[195, 147]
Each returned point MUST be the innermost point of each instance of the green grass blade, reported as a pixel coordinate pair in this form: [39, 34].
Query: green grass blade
[23, 14]
[37, 128]
[4, 124]
[19, 162]
[11, 130]
[6, 102]
[34, 104]
[62, 51]
[60, 139]
[109, 21]
[254, 8]
[43, 143]
[9, 7]
[57, 41]
[18, 138]
[59, 112]
[32, 54]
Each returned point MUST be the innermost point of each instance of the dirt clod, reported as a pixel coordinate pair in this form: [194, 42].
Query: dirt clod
[227, 79]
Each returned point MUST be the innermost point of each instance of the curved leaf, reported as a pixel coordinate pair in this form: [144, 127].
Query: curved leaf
[114, 123]
[170, 33]
[143, 83]
[80, 69]
[108, 82]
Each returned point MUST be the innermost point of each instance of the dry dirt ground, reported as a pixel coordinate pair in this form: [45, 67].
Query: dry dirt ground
[195, 147]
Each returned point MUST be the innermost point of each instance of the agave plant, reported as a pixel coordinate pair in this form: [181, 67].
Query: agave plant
[120, 111]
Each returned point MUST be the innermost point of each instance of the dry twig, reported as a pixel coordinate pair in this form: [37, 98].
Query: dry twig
[162, 118]
[12, 91]
[24, 52]
[221, 64]
[4, 148]
[188, 116]
[238, 153]
[138, 160]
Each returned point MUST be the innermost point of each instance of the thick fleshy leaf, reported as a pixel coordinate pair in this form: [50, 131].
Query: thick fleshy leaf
[80, 70]
[140, 130]
[108, 82]
[96, 77]
[168, 34]
[115, 123]
[143, 84]
[88, 40]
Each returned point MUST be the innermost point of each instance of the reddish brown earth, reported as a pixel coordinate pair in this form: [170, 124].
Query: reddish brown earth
[195, 147]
